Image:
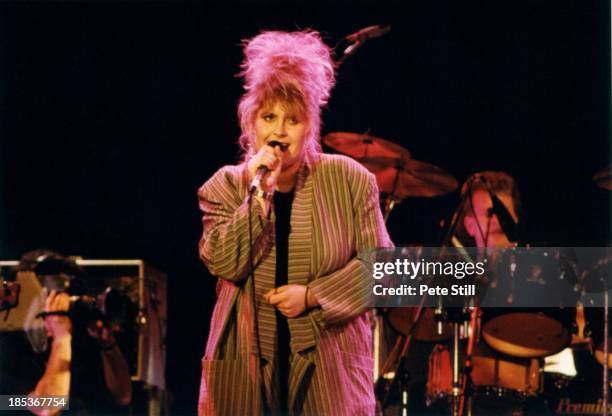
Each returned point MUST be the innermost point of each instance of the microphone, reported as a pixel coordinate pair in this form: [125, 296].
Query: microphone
[263, 170]
[509, 227]
[505, 219]
[369, 32]
[364, 34]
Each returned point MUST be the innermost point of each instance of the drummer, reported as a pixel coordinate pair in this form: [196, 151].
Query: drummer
[479, 226]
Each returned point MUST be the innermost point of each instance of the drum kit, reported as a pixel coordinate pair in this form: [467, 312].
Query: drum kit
[482, 360]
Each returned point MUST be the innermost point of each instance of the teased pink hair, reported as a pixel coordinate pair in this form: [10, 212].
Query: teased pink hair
[295, 68]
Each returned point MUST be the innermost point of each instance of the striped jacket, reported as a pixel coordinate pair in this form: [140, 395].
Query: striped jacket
[335, 214]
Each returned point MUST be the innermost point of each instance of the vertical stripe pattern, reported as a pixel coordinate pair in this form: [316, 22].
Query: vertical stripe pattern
[335, 214]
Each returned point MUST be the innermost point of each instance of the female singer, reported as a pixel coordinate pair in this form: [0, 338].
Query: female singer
[290, 333]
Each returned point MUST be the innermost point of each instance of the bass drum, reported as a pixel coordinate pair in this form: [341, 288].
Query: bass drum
[511, 323]
[578, 395]
[502, 384]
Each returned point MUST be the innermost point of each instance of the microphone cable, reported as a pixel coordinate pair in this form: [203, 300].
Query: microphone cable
[266, 409]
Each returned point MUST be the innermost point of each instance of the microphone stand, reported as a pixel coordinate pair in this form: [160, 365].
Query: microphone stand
[390, 201]
[402, 360]
[508, 225]
[350, 51]
[253, 299]
[357, 39]
[460, 381]
[452, 227]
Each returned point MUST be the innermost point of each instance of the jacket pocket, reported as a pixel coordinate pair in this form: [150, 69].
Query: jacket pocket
[225, 389]
[359, 384]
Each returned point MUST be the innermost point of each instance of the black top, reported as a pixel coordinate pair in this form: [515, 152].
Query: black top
[282, 210]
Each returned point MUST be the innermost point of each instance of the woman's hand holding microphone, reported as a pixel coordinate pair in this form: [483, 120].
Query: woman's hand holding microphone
[270, 157]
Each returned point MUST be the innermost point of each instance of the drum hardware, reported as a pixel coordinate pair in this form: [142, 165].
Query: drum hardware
[400, 377]
[468, 363]
[456, 375]
[460, 380]
[597, 279]
[398, 176]
[384, 388]
[439, 317]
[404, 389]
[460, 317]
[456, 316]
[462, 321]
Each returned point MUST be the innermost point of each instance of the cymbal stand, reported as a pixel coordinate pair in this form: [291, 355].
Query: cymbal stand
[467, 366]
[456, 381]
[457, 317]
[447, 240]
[389, 205]
[400, 364]
[391, 198]
[377, 329]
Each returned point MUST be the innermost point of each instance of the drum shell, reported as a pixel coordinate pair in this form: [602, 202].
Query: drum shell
[503, 378]
[580, 395]
[529, 305]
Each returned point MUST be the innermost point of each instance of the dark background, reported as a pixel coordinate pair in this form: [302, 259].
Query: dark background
[113, 114]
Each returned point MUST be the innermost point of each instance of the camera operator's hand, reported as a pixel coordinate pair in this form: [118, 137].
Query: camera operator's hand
[57, 326]
[116, 370]
[102, 334]
[56, 379]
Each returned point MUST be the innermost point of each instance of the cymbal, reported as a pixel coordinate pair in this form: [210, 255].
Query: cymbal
[363, 145]
[603, 178]
[401, 178]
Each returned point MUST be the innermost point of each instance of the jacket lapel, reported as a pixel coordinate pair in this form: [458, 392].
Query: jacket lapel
[300, 247]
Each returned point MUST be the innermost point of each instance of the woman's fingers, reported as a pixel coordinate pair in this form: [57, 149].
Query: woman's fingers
[288, 299]
[281, 289]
